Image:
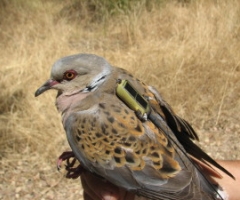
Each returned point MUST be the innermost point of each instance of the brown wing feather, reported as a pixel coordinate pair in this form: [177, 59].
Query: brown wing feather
[182, 130]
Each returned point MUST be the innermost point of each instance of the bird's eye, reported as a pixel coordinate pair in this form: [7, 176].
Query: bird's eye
[69, 75]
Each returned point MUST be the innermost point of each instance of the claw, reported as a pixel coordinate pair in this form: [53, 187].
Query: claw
[72, 172]
[66, 155]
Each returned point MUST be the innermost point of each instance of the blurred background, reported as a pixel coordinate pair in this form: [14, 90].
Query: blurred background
[189, 50]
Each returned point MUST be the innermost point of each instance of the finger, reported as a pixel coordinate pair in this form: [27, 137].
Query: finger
[125, 195]
[88, 193]
[98, 188]
[86, 196]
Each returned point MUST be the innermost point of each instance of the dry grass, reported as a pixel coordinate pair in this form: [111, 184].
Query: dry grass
[189, 51]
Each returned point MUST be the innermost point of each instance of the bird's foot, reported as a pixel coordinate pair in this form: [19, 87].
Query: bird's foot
[72, 171]
[66, 155]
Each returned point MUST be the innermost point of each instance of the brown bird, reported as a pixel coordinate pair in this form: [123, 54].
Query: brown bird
[122, 130]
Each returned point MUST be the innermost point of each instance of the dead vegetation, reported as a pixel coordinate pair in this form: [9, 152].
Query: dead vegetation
[188, 50]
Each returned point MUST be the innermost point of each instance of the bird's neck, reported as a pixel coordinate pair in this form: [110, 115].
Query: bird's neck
[65, 102]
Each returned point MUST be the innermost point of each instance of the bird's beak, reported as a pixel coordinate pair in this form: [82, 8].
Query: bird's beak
[46, 86]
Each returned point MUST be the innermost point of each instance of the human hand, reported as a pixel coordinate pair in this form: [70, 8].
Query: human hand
[96, 188]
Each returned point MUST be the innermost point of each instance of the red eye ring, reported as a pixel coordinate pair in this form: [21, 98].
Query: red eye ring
[69, 75]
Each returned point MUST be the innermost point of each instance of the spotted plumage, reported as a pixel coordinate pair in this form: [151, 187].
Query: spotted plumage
[153, 157]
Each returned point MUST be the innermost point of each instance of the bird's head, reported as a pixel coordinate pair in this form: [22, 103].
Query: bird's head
[76, 73]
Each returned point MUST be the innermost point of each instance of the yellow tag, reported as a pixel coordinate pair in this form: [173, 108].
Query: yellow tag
[128, 94]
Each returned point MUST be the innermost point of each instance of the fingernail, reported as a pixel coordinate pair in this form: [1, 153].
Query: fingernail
[107, 196]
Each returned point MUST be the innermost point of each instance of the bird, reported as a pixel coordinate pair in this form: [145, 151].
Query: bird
[123, 130]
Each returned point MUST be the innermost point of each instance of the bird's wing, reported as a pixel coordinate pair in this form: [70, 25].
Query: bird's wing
[183, 132]
[111, 141]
